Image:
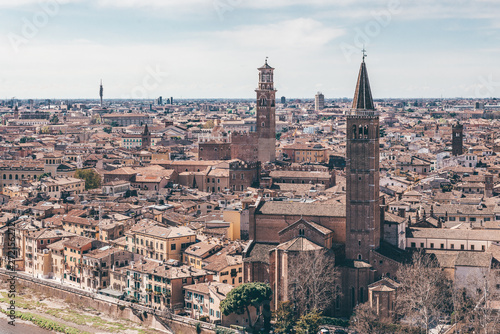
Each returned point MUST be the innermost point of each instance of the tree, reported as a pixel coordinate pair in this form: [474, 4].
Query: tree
[424, 296]
[26, 140]
[107, 129]
[284, 318]
[209, 124]
[473, 297]
[364, 320]
[92, 179]
[309, 323]
[314, 281]
[240, 299]
[41, 176]
[54, 119]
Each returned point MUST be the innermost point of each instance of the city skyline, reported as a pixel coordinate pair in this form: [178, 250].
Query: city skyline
[210, 49]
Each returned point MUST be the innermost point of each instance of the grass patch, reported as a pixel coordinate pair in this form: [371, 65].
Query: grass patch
[46, 323]
[20, 302]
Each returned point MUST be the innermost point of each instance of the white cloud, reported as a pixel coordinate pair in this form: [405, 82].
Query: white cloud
[297, 33]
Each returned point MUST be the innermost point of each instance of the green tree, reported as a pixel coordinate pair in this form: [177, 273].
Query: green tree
[107, 129]
[54, 119]
[284, 317]
[309, 323]
[209, 124]
[41, 176]
[278, 135]
[240, 299]
[92, 179]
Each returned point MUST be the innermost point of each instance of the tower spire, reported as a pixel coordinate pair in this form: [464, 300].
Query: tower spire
[363, 95]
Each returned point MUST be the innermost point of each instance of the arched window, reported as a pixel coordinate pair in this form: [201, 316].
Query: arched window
[359, 257]
[366, 131]
[10, 176]
[263, 124]
[354, 131]
[5, 176]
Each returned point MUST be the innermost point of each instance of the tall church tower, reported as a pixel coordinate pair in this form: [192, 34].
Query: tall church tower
[457, 141]
[146, 139]
[101, 92]
[266, 115]
[362, 173]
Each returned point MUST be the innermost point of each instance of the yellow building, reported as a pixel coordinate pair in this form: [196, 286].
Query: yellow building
[55, 187]
[234, 219]
[81, 226]
[226, 267]
[158, 242]
[195, 254]
[306, 153]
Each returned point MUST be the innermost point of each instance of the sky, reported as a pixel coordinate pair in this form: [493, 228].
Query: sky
[212, 48]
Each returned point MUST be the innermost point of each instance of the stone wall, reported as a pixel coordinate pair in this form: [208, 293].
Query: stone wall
[167, 323]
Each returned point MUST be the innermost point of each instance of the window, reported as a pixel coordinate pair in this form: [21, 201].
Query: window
[471, 247]
[452, 246]
[462, 247]
[451, 219]
[413, 245]
[482, 248]
[422, 245]
[432, 245]
[462, 219]
[173, 246]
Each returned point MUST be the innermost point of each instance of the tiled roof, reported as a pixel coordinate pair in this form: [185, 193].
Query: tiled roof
[303, 209]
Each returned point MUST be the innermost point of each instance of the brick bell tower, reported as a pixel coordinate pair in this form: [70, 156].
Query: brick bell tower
[457, 140]
[362, 195]
[266, 115]
[362, 173]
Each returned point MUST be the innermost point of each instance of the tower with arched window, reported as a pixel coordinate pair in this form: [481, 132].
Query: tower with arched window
[362, 195]
[266, 115]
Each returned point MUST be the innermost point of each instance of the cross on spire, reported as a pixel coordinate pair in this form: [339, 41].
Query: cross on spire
[266, 59]
[364, 53]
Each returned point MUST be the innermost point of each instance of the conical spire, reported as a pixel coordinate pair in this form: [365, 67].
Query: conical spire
[363, 96]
